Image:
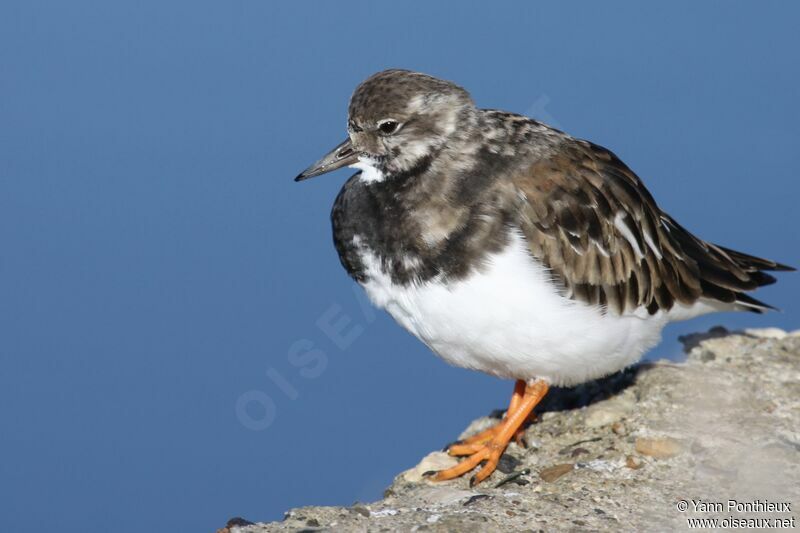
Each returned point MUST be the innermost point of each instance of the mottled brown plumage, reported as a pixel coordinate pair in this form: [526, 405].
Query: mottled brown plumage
[572, 205]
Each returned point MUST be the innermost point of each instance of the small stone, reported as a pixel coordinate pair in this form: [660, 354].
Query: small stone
[766, 333]
[554, 472]
[578, 451]
[609, 411]
[234, 523]
[476, 498]
[633, 462]
[707, 355]
[662, 448]
[507, 463]
[433, 461]
[363, 511]
[602, 417]
[619, 429]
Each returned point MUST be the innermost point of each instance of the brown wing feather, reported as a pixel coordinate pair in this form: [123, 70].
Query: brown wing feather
[574, 204]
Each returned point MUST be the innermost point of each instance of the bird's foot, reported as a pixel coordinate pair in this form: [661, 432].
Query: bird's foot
[489, 445]
[489, 452]
[474, 443]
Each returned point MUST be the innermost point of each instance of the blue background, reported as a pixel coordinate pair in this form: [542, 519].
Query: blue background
[158, 266]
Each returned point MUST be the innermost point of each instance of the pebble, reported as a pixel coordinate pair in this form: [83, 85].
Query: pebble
[432, 461]
[766, 333]
[554, 472]
[507, 463]
[361, 510]
[578, 451]
[602, 417]
[661, 448]
[633, 462]
[608, 412]
[476, 498]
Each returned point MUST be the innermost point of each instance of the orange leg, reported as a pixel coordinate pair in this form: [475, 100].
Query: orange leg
[491, 450]
[474, 443]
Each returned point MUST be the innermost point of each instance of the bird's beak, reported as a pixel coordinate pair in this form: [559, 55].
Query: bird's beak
[339, 157]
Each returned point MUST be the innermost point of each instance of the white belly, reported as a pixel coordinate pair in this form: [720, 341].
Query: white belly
[509, 320]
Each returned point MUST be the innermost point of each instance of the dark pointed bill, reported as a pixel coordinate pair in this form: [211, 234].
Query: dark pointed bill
[339, 157]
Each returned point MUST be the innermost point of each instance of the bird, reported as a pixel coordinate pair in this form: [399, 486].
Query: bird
[513, 248]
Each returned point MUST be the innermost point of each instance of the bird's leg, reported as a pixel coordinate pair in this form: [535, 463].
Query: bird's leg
[472, 444]
[492, 450]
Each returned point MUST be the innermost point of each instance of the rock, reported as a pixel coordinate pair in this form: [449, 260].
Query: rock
[233, 524]
[602, 417]
[766, 333]
[619, 429]
[633, 462]
[554, 472]
[431, 462]
[360, 509]
[663, 448]
[722, 425]
[507, 463]
[608, 411]
[578, 451]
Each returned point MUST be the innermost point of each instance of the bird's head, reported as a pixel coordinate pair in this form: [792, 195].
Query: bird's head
[398, 122]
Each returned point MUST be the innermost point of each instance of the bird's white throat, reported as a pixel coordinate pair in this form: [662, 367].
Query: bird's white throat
[370, 173]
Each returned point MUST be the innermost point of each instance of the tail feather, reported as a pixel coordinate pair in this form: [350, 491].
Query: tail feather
[755, 268]
[758, 263]
[725, 274]
[751, 304]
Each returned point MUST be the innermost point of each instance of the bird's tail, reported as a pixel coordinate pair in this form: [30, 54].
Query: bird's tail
[756, 268]
[727, 275]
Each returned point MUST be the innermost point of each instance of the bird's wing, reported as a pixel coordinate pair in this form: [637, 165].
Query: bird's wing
[593, 223]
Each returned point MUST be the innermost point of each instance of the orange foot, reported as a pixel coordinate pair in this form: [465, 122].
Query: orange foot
[474, 443]
[489, 445]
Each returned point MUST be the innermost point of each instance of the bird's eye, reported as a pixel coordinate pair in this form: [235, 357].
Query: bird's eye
[387, 127]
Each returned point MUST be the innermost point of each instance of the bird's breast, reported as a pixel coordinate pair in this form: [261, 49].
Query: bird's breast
[509, 319]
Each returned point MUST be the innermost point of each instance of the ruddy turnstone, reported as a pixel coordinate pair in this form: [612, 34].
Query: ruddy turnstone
[510, 247]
